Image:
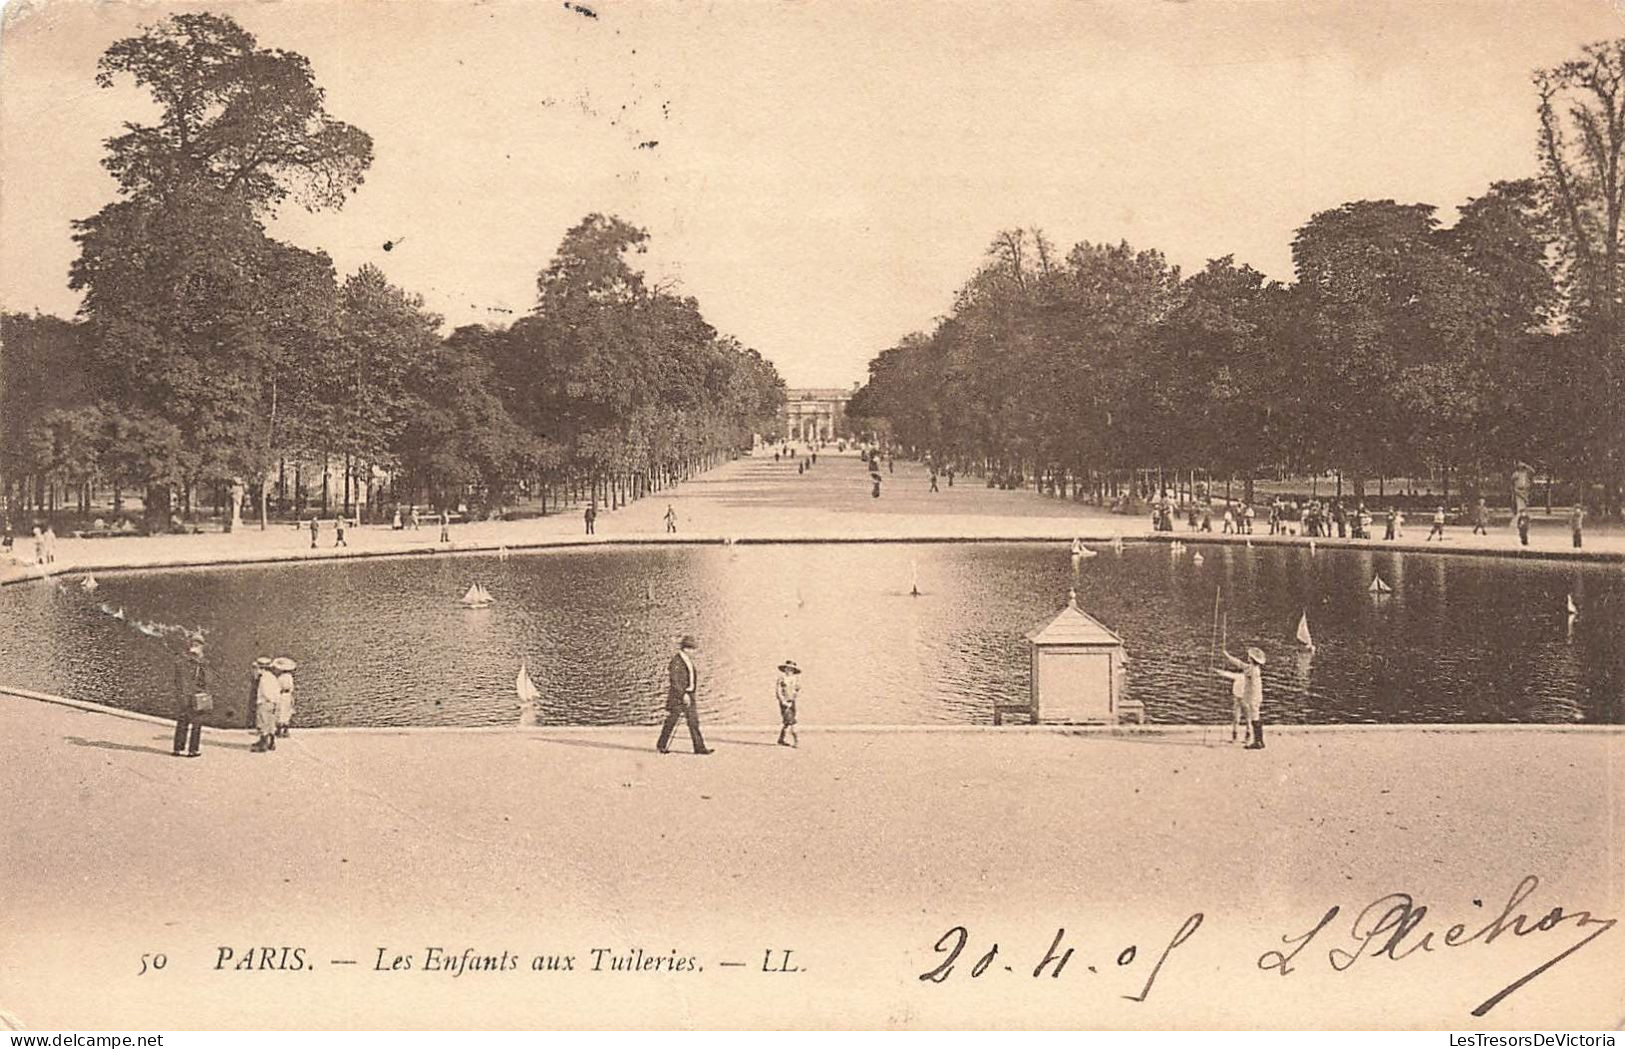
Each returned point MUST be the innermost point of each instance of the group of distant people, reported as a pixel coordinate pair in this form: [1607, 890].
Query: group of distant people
[1326, 519]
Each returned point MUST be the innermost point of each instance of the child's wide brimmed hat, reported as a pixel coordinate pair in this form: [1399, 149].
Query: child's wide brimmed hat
[1256, 655]
[264, 662]
[284, 665]
[789, 667]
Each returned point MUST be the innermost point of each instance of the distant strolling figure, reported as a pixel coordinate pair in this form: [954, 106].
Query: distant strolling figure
[671, 518]
[1523, 526]
[39, 547]
[395, 522]
[875, 491]
[590, 516]
[934, 481]
[787, 690]
[283, 668]
[1392, 522]
[445, 526]
[683, 682]
[1481, 518]
[338, 532]
[1229, 521]
[50, 544]
[1251, 678]
[191, 701]
[267, 693]
[1438, 526]
[417, 519]
[1577, 518]
[315, 527]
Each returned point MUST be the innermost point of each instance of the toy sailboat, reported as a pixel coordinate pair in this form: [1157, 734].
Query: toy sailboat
[89, 584]
[1378, 586]
[476, 597]
[1573, 609]
[1196, 559]
[1303, 631]
[524, 686]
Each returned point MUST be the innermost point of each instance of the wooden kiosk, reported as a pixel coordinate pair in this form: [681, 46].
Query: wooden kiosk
[1076, 673]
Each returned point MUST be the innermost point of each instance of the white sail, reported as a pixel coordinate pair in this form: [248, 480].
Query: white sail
[485, 595]
[1378, 586]
[1303, 631]
[90, 584]
[1196, 559]
[525, 687]
[120, 613]
[1573, 610]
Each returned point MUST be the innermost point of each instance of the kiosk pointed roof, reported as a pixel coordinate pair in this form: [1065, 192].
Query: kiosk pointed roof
[1072, 626]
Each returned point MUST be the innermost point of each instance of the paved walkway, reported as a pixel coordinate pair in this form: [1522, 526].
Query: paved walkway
[857, 852]
[756, 498]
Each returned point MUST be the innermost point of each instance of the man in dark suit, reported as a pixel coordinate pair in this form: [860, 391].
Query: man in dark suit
[191, 681]
[683, 681]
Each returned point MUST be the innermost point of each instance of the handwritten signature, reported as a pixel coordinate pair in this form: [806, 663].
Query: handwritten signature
[1394, 927]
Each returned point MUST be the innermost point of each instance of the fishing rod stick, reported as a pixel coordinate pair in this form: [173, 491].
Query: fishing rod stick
[1214, 637]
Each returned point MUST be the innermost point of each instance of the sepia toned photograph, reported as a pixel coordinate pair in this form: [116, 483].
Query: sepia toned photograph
[781, 515]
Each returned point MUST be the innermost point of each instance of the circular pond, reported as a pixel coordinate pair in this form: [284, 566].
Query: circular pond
[1462, 639]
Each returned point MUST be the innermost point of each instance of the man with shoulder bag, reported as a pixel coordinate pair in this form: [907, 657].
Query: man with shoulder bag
[192, 701]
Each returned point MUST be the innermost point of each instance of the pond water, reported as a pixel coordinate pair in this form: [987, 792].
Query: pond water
[384, 642]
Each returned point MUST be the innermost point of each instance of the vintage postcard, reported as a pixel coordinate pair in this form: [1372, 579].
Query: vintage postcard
[609, 514]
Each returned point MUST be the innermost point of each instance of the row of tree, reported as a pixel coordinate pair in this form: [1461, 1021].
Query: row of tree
[1403, 347]
[208, 355]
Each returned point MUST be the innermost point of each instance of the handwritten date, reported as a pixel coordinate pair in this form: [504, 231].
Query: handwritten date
[1054, 961]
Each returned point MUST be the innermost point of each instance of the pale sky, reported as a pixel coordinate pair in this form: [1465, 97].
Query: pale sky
[826, 174]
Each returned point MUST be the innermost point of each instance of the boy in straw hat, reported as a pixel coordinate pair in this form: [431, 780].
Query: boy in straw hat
[1248, 689]
[267, 692]
[787, 690]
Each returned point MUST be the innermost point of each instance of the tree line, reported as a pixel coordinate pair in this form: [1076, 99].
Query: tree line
[1403, 347]
[207, 354]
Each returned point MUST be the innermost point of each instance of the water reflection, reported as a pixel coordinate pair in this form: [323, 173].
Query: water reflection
[385, 642]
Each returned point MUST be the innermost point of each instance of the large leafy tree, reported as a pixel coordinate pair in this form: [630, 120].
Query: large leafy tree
[1582, 147]
[246, 122]
[198, 319]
